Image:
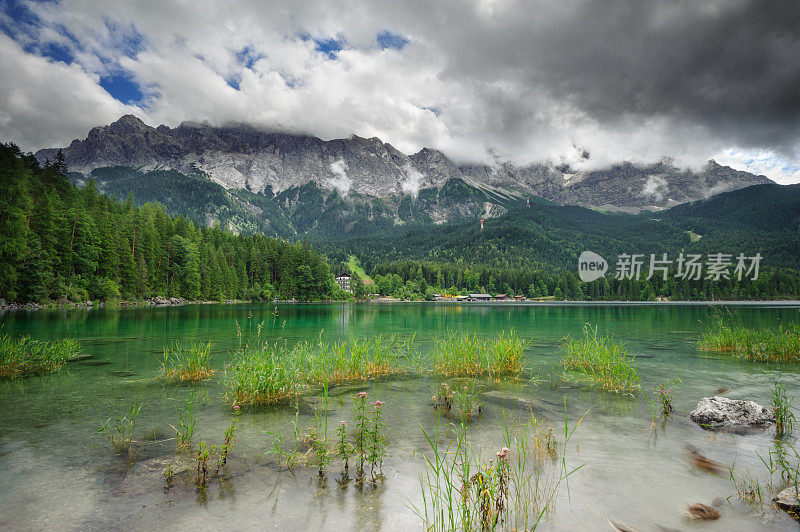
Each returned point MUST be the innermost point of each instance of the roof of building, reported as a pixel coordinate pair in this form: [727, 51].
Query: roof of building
[480, 295]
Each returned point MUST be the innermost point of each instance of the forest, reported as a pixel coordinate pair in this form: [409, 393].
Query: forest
[59, 242]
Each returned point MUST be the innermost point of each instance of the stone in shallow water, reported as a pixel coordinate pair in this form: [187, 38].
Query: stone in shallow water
[724, 413]
[510, 400]
[788, 501]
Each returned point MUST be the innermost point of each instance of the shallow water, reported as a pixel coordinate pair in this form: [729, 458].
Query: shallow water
[57, 472]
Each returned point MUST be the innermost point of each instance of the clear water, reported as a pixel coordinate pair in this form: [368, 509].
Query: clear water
[56, 472]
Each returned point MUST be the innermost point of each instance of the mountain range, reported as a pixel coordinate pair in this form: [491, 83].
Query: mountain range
[252, 180]
[365, 198]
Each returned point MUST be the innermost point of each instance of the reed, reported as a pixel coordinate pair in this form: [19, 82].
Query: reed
[353, 360]
[262, 374]
[513, 489]
[119, 430]
[187, 362]
[599, 360]
[23, 357]
[782, 406]
[462, 355]
[777, 344]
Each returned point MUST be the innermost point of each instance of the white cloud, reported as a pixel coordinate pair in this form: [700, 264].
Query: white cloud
[762, 162]
[340, 180]
[45, 103]
[525, 81]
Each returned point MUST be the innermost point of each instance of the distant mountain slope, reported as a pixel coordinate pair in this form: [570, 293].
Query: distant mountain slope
[760, 219]
[241, 157]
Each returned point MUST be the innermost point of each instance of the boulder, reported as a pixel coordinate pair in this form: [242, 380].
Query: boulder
[788, 501]
[723, 413]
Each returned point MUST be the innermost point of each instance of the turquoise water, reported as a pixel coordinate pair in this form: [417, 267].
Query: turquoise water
[57, 472]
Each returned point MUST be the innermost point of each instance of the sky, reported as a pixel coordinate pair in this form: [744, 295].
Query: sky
[484, 81]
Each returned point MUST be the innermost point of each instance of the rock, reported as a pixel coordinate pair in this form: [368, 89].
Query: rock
[703, 511]
[510, 400]
[788, 501]
[159, 301]
[723, 413]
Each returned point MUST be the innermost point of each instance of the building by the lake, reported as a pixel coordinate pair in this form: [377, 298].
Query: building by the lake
[344, 283]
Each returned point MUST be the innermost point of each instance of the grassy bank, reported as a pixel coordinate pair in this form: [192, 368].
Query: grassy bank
[599, 360]
[780, 344]
[22, 357]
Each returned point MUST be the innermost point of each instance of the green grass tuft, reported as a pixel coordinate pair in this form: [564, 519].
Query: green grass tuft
[187, 363]
[22, 357]
[261, 374]
[781, 344]
[470, 356]
[599, 360]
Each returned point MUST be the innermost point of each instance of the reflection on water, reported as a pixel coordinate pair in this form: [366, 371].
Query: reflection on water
[57, 472]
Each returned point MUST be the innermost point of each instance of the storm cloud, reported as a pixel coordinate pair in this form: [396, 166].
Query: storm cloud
[482, 80]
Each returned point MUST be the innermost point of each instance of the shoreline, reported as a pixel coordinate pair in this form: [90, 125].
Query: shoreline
[90, 305]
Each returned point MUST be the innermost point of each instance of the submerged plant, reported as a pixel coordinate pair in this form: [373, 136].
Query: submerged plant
[362, 425]
[169, 476]
[202, 457]
[599, 360]
[782, 406]
[343, 448]
[780, 344]
[664, 394]
[261, 374]
[119, 430]
[227, 445]
[354, 360]
[513, 489]
[377, 437]
[187, 363]
[187, 421]
[23, 357]
[471, 356]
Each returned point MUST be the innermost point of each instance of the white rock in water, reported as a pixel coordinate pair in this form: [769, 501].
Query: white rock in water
[721, 412]
[788, 501]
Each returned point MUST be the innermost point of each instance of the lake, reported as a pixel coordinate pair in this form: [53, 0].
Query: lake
[57, 472]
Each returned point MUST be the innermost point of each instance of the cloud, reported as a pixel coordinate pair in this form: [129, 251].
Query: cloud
[44, 102]
[523, 80]
[340, 180]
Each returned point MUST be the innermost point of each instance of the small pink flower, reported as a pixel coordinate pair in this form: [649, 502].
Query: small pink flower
[343, 423]
[362, 394]
[236, 407]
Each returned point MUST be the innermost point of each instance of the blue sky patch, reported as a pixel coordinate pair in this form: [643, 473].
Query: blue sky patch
[387, 39]
[329, 46]
[122, 87]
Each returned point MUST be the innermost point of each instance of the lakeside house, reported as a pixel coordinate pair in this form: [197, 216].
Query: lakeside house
[500, 297]
[480, 297]
[344, 282]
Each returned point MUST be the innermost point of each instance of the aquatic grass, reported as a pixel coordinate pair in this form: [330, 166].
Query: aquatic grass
[262, 374]
[599, 360]
[187, 362]
[353, 360]
[464, 355]
[776, 344]
[119, 430]
[512, 489]
[782, 406]
[23, 357]
[187, 422]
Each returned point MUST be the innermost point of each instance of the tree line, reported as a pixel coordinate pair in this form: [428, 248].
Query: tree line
[61, 242]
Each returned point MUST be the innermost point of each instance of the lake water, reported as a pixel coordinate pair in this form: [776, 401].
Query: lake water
[57, 472]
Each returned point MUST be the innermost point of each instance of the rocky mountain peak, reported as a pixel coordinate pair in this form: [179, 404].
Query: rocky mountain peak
[240, 156]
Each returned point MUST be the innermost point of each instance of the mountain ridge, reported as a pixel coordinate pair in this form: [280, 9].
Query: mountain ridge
[243, 157]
